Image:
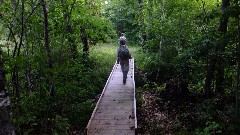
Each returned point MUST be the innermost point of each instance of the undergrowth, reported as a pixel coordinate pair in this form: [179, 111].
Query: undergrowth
[171, 105]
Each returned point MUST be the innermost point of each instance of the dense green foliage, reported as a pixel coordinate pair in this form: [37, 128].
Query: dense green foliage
[51, 89]
[187, 58]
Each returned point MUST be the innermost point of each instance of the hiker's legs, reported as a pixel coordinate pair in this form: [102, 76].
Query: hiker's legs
[125, 68]
[122, 66]
[125, 76]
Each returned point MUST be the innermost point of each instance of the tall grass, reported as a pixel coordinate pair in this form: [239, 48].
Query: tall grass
[104, 54]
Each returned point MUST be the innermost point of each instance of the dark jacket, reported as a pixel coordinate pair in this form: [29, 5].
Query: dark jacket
[123, 62]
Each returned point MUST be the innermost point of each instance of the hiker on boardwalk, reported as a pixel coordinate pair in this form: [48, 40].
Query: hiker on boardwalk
[122, 39]
[123, 56]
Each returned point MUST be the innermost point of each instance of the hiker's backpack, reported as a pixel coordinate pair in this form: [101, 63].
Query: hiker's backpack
[124, 53]
[122, 41]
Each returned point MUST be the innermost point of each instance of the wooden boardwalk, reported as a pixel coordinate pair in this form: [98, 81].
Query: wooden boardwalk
[115, 112]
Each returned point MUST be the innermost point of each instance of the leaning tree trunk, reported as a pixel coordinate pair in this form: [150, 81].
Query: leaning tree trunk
[6, 127]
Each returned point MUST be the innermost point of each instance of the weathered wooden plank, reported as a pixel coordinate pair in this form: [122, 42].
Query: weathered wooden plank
[111, 132]
[118, 95]
[113, 114]
[116, 108]
[111, 117]
[112, 122]
[114, 127]
[114, 99]
[118, 91]
[116, 103]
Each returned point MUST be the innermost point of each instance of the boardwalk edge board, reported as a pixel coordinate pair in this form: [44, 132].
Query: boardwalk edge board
[134, 98]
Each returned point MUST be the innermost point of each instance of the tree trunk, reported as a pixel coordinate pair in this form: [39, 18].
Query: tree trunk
[220, 78]
[14, 4]
[237, 87]
[48, 51]
[220, 62]
[17, 51]
[237, 102]
[217, 61]
[224, 19]
[84, 39]
[209, 76]
[139, 2]
[238, 62]
[73, 45]
[141, 22]
[28, 65]
[67, 28]
[5, 114]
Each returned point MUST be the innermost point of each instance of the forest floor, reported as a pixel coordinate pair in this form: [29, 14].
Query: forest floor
[150, 114]
[158, 110]
[169, 112]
